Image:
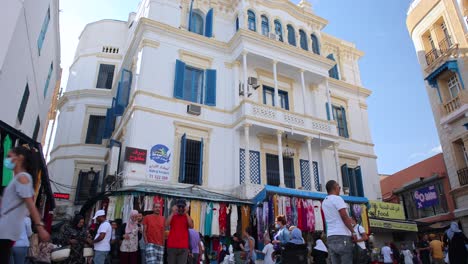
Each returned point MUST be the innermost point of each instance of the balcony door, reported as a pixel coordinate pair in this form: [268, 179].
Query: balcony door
[273, 177]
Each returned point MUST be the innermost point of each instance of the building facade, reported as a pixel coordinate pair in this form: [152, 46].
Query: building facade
[192, 93]
[438, 29]
[29, 64]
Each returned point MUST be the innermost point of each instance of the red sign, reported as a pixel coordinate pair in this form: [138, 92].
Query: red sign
[135, 155]
[64, 196]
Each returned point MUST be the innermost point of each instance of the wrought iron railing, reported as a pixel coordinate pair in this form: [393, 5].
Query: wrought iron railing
[463, 176]
[431, 56]
[445, 45]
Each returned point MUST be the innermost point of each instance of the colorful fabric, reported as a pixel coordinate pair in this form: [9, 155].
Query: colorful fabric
[234, 218]
[215, 220]
[222, 218]
[288, 210]
[148, 203]
[7, 173]
[127, 207]
[299, 213]
[294, 211]
[260, 223]
[310, 216]
[245, 217]
[110, 214]
[304, 214]
[208, 219]
[118, 207]
[275, 206]
[265, 213]
[203, 206]
[195, 211]
[318, 216]
[154, 254]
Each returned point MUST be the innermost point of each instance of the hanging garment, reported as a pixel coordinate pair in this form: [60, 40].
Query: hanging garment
[159, 200]
[234, 218]
[148, 203]
[271, 211]
[203, 206]
[7, 173]
[222, 218]
[275, 205]
[195, 211]
[365, 218]
[119, 203]
[208, 219]
[245, 218]
[228, 221]
[265, 213]
[318, 216]
[299, 213]
[127, 208]
[288, 210]
[310, 216]
[304, 214]
[168, 206]
[294, 210]
[260, 223]
[111, 208]
[281, 210]
[215, 221]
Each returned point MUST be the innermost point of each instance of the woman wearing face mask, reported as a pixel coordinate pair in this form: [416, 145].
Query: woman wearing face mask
[17, 200]
[283, 236]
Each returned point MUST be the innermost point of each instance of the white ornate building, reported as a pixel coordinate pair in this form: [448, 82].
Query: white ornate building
[194, 85]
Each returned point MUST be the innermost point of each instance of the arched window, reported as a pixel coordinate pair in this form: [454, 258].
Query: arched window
[291, 35]
[315, 44]
[279, 29]
[265, 26]
[252, 22]
[333, 72]
[303, 40]
[196, 23]
[237, 23]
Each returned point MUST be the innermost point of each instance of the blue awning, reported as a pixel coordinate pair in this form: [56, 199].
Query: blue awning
[303, 194]
[449, 65]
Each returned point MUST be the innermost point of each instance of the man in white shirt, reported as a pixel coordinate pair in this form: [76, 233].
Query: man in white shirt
[361, 238]
[340, 231]
[103, 237]
[387, 254]
[268, 251]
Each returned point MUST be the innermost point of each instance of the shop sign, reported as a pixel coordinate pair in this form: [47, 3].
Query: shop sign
[159, 163]
[426, 197]
[386, 210]
[64, 196]
[135, 155]
[393, 225]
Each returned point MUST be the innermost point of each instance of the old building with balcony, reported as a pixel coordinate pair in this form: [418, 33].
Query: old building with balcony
[226, 95]
[438, 29]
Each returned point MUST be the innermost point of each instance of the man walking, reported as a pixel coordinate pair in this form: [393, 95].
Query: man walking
[340, 232]
[437, 250]
[102, 239]
[178, 241]
[153, 235]
[387, 254]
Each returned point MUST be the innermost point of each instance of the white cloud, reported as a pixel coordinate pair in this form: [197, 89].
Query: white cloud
[429, 153]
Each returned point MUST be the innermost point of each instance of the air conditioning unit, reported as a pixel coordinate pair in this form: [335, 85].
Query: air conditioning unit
[194, 109]
[253, 82]
[241, 89]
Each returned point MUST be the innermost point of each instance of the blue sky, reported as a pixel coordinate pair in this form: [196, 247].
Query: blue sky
[401, 121]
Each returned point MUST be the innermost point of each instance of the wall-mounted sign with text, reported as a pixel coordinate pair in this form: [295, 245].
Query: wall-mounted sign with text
[135, 155]
[386, 210]
[64, 196]
[159, 163]
[426, 197]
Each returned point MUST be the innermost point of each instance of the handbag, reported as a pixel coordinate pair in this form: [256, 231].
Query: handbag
[60, 254]
[88, 252]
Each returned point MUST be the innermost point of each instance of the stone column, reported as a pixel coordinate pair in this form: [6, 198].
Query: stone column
[244, 72]
[303, 91]
[330, 110]
[279, 135]
[311, 165]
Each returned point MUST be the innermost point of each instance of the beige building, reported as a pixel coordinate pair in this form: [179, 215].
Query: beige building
[438, 29]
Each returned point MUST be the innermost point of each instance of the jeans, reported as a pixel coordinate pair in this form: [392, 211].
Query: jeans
[177, 255]
[100, 256]
[340, 249]
[19, 254]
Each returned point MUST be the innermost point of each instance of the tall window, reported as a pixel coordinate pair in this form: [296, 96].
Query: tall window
[454, 87]
[96, 127]
[193, 84]
[49, 75]
[279, 30]
[315, 44]
[269, 97]
[88, 182]
[445, 30]
[45, 25]
[303, 39]
[431, 41]
[23, 104]
[191, 161]
[252, 21]
[36, 129]
[339, 114]
[333, 72]
[265, 26]
[105, 76]
[237, 23]
[196, 23]
[352, 180]
[273, 177]
[291, 35]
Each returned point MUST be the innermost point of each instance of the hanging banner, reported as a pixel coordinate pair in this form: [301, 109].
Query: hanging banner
[386, 210]
[159, 163]
[388, 224]
[426, 197]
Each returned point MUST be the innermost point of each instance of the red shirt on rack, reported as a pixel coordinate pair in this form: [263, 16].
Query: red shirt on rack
[222, 218]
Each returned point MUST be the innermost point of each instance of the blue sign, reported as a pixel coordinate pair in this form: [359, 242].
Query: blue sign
[426, 197]
[160, 154]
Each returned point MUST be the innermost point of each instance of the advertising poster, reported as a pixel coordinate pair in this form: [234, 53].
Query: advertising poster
[159, 163]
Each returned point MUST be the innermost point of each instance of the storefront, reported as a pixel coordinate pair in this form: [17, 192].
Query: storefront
[43, 197]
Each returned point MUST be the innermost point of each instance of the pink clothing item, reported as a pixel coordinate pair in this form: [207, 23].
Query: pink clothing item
[289, 216]
[131, 225]
[310, 216]
[299, 214]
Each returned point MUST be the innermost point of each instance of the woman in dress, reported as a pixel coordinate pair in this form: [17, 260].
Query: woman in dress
[75, 235]
[17, 200]
[249, 246]
[129, 246]
[456, 240]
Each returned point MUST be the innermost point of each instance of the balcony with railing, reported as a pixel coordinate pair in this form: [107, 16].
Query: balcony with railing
[445, 51]
[463, 176]
[431, 56]
[454, 104]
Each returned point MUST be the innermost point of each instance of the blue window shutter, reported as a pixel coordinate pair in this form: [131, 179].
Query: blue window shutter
[183, 144]
[315, 44]
[237, 23]
[291, 35]
[352, 182]
[333, 72]
[118, 108]
[190, 16]
[200, 173]
[345, 123]
[328, 110]
[209, 24]
[123, 92]
[210, 94]
[360, 187]
[179, 80]
[344, 176]
[303, 40]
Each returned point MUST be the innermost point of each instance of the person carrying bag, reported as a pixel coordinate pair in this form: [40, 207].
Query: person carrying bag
[360, 255]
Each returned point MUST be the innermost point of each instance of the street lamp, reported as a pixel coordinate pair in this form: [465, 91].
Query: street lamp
[91, 174]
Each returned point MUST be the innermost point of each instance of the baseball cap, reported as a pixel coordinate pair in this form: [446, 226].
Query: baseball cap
[98, 214]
